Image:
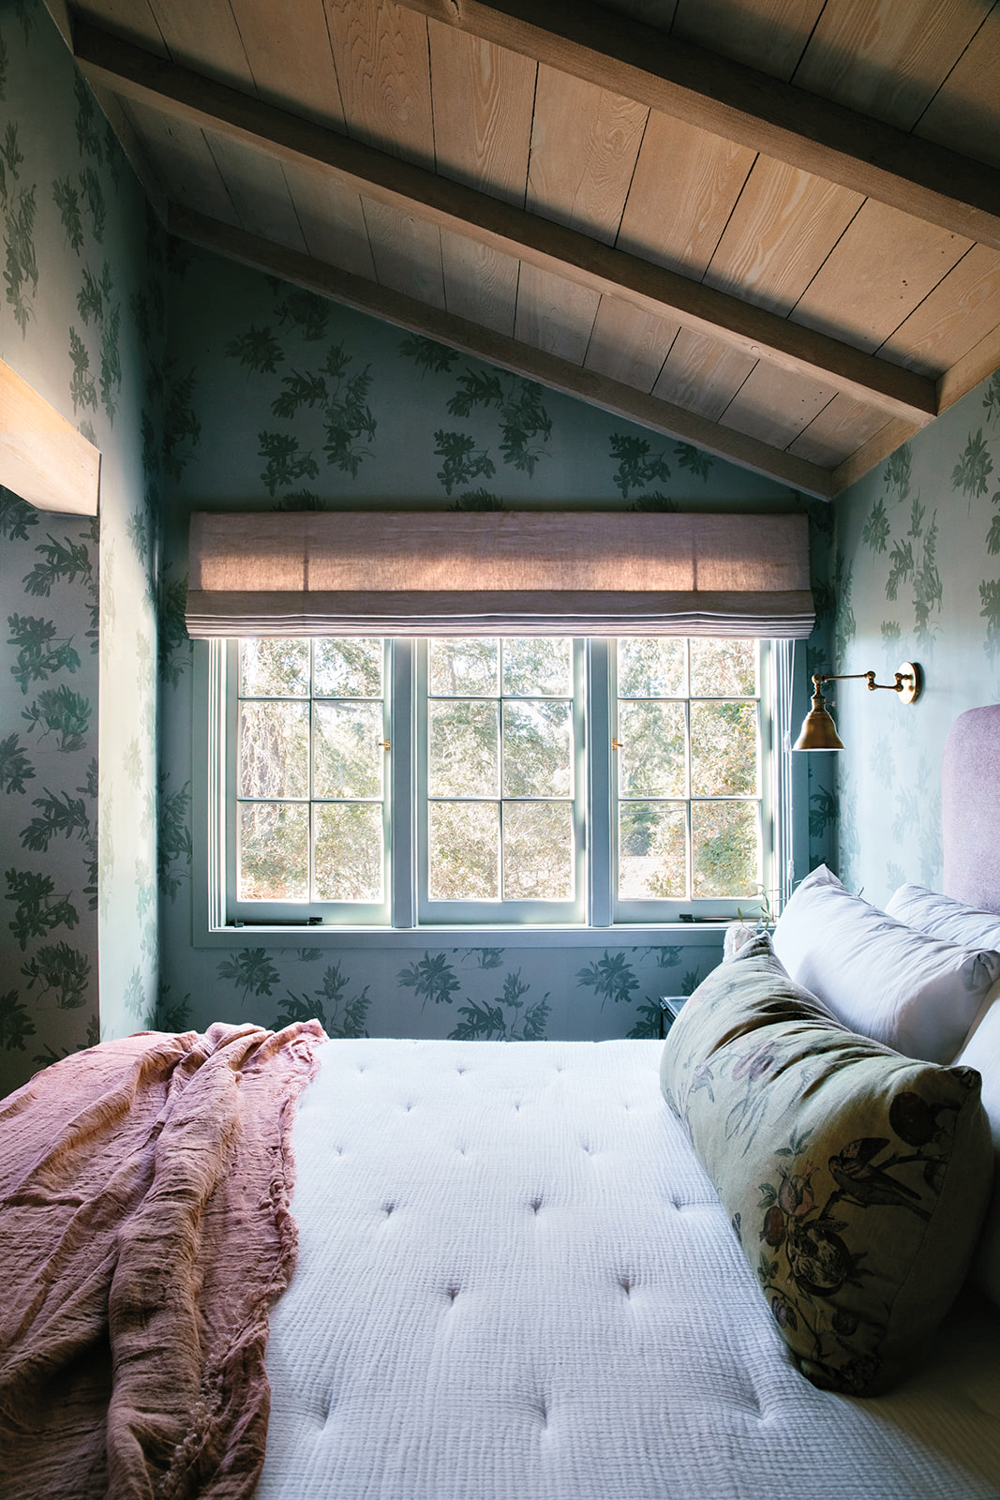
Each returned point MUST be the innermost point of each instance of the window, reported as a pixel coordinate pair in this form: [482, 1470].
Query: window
[471, 781]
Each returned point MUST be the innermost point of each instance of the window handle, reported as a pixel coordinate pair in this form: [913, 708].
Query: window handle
[617, 745]
[386, 745]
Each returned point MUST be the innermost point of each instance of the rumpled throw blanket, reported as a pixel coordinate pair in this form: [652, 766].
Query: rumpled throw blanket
[144, 1235]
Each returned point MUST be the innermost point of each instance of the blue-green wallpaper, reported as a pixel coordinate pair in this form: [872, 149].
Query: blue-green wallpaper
[280, 399]
[82, 319]
[917, 576]
[207, 385]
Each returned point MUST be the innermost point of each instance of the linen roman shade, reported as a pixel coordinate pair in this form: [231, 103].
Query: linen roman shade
[498, 573]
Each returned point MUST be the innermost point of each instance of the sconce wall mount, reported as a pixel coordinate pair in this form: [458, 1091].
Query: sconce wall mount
[819, 732]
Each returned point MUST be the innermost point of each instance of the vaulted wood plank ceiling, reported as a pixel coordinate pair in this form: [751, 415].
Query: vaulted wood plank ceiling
[767, 227]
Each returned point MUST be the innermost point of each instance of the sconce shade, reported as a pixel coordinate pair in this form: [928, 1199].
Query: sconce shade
[818, 731]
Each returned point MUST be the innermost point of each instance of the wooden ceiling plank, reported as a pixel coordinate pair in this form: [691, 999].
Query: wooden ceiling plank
[132, 20]
[836, 432]
[554, 314]
[966, 373]
[406, 251]
[204, 37]
[775, 405]
[883, 266]
[288, 50]
[190, 173]
[685, 186]
[952, 319]
[546, 246]
[764, 34]
[702, 375]
[779, 234]
[482, 98]
[43, 458]
[260, 195]
[380, 50]
[962, 116]
[332, 220]
[887, 59]
[628, 345]
[479, 283]
[482, 343]
[584, 144]
[691, 83]
[879, 446]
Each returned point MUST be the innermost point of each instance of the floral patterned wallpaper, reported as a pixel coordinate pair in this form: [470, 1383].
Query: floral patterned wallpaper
[265, 396]
[917, 578]
[282, 400]
[82, 319]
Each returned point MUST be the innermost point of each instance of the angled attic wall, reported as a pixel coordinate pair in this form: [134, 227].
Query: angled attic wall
[278, 400]
[81, 319]
[917, 577]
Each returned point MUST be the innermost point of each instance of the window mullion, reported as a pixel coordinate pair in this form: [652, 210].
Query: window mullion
[402, 788]
[601, 798]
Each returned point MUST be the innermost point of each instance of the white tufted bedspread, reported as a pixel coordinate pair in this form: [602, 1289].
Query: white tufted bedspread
[516, 1283]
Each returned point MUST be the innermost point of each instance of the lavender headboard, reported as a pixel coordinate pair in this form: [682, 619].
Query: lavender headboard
[970, 808]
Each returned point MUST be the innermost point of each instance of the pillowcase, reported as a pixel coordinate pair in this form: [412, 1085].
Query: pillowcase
[855, 1179]
[915, 993]
[982, 1051]
[944, 917]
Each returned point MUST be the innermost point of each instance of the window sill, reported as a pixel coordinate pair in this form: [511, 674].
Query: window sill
[624, 935]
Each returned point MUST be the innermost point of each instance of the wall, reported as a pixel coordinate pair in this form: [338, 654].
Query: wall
[82, 320]
[281, 400]
[917, 573]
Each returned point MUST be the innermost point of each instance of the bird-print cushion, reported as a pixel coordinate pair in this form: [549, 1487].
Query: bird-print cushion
[855, 1178]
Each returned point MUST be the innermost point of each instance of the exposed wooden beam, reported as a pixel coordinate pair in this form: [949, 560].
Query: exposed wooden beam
[734, 101]
[981, 360]
[42, 456]
[483, 343]
[177, 92]
[888, 438]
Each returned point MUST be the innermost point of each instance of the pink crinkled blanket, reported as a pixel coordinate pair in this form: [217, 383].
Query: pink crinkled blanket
[144, 1235]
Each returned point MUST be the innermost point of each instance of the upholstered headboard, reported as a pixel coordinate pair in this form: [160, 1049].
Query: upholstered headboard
[970, 808]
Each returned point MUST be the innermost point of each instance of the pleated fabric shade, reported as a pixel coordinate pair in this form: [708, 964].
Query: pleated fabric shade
[421, 573]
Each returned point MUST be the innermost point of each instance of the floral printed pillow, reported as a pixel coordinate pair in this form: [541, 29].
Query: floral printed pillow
[855, 1179]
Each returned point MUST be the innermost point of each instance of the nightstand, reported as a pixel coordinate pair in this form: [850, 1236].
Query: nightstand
[670, 1009]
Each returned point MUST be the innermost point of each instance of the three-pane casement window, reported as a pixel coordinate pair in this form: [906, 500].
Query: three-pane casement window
[481, 780]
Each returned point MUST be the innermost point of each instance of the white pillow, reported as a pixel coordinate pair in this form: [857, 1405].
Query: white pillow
[944, 917]
[915, 993]
[982, 1052]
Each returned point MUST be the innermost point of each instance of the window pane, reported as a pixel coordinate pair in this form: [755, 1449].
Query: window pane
[347, 750]
[347, 852]
[274, 669]
[464, 851]
[538, 667]
[652, 850]
[651, 762]
[651, 667]
[722, 669]
[347, 668]
[537, 750]
[537, 851]
[726, 839]
[274, 750]
[723, 749]
[273, 852]
[464, 666]
[464, 749]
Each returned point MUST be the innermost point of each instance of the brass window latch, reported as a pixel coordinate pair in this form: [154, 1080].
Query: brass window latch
[385, 744]
[617, 745]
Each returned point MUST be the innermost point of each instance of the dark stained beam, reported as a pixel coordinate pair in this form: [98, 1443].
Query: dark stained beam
[741, 104]
[483, 343]
[179, 93]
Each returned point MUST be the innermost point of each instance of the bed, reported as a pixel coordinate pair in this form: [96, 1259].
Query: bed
[516, 1280]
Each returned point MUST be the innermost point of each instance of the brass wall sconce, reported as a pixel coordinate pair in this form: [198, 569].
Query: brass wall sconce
[819, 732]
